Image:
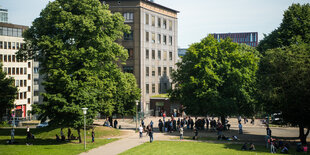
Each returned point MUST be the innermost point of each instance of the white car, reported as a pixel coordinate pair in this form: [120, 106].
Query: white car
[41, 125]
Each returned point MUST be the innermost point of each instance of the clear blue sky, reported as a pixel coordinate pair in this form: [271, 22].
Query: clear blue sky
[197, 18]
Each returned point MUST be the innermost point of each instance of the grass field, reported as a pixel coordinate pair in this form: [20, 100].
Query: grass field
[193, 148]
[45, 142]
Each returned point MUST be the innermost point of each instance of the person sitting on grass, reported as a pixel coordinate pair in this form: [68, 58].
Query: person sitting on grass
[252, 147]
[284, 150]
[244, 147]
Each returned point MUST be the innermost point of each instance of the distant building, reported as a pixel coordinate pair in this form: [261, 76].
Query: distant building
[3, 15]
[181, 52]
[152, 45]
[11, 41]
[249, 38]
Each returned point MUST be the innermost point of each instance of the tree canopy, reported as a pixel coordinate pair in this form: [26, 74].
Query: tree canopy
[7, 93]
[74, 41]
[217, 78]
[295, 27]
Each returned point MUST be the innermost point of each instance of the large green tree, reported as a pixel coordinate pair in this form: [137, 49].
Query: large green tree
[295, 26]
[285, 85]
[217, 78]
[7, 93]
[74, 41]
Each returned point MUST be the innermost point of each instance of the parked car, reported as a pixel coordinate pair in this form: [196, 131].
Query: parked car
[41, 125]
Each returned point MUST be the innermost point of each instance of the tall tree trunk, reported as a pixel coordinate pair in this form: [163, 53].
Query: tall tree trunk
[302, 134]
[79, 133]
[223, 118]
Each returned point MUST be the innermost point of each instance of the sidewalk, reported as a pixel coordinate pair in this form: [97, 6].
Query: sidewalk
[119, 146]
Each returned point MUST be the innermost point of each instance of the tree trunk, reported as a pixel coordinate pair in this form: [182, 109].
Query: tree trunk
[79, 133]
[302, 134]
[223, 118]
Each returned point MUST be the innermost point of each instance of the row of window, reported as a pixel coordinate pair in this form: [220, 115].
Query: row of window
[13, 32]
[21, 96]
[159, 73]
[161, 23]
[160, 38]
[10, 58]
[22, 83]
[15, 70]
[159, 89]
[159, 54]
[10, 45]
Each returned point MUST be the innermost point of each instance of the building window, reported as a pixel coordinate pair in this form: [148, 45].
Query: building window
[17, 46]
[29, 88]
[25, 94]
[165, 39]
[5, 45]
[170, 40]
[153, 71]
[159, 71]
[9, 71]
[5, 58]
[147, 54]
[29, 77]
[153, 88]
[1, 57]
[21, 83]
[159, 54]
[28, 100]
[9, 58]
[153, 54]
[153, 37]
[165, 55]
[13, 58]
[5, 70]
[128, 36]
[13, 70]
[170, 25]
[165, 24]
[147, 19]
[170, 71]
[36, 82]
[16, 83]
[29, 64]
[130, 53]
[147, 71]
[25, 70]
[9, 45]
[147, 89]
[159, 39]
[147, 35]
[1, 45]
[21, 71]
[25, 83]
[159, 88]
[128, 16]
[20, 95]
[13, 45]
[17, 96]
[165, 70]
[128, 69]
[170, 55]
[159, 22]
[17, 71]
[153, 20]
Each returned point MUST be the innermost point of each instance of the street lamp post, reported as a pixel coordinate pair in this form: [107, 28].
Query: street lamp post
[84, 112]
[137, 103]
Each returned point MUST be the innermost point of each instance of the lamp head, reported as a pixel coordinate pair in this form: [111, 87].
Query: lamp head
[84, 111]
[137, 102]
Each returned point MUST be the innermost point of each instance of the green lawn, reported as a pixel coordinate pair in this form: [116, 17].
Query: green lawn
[45, 142]
[193, 148]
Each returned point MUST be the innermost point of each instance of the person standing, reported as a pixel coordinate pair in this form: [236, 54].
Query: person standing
[196, 134]
[69, 133]
[93, 136]
[151, 123]
[207, 123]
[268, 136]
[140, 131]
[181, 132]
[63, 138]
[115, 123]
[164, 116]
[240, 128]
[160, 125]
[28, 133]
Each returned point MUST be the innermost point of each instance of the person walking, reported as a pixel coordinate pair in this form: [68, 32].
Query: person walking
[181, 132]
[268, 136]
[151, 123]
[151, 135]
[93, 136]
[140, 131]
[240, 128]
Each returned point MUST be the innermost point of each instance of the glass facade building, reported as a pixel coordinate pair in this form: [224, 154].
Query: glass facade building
[249, 38]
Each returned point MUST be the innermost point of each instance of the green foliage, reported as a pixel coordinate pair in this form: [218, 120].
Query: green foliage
[74, 41]
[7, 93]
[285, 84]
[217, 78]
[295, 27]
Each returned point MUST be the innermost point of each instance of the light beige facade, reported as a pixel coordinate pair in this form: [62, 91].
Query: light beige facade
[152, 46]
[10, 42]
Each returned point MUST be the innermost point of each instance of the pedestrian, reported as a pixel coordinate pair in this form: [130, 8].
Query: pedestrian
[151, 123]
[151, 134]
[12, 135]
[160, 125]
[164, 116]
[268, 136]
[196, 134]
[272, 146]
[28, 133]
[140, 131]
[63, 138]
[93, 136]
[115, 123]
[240, 128]
[181, 133]
[207, 123]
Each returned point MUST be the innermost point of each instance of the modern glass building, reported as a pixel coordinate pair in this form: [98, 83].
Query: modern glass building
[249, 38]
[3, 15]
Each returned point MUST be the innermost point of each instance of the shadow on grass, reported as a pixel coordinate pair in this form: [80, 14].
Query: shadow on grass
[23, 141]
[23, 131]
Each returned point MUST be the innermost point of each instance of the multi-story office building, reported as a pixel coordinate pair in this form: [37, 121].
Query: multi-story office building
[152, 44]
[249, 38]
[3, 15]
[10, 42]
